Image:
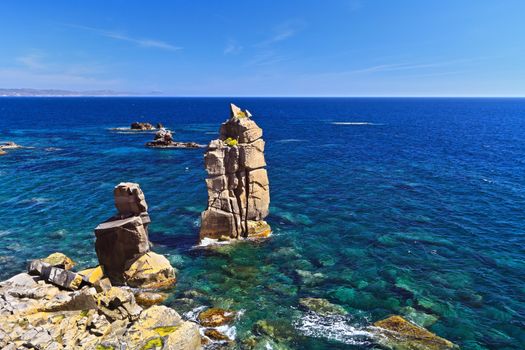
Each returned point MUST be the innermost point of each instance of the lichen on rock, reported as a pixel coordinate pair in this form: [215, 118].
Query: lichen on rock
[238, 186]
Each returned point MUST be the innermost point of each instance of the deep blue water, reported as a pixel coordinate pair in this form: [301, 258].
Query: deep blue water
[420, 211]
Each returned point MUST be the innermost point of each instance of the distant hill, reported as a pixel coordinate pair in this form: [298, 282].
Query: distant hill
[56, 92]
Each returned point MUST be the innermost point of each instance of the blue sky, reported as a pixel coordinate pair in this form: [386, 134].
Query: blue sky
[267, 48]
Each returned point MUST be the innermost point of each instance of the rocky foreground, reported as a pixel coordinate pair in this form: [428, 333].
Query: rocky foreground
[37, 314]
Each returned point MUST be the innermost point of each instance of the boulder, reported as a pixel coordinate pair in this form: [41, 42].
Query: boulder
[164, 139]
[59, 260]
[92, 275]
[238, 186]
[2, 152]
[148, 298]
[118, 242]
[399, 334]
[129, 199]
[151, 270]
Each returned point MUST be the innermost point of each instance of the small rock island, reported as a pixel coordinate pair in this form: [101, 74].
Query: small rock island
[238, 186]
[164, 139]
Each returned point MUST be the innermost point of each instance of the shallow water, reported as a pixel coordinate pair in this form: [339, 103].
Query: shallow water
[405, 206]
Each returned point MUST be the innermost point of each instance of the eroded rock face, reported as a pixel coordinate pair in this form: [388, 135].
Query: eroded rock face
[238, 187]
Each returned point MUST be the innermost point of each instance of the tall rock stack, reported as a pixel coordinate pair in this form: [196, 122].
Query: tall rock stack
[238, 187]
[122, 243]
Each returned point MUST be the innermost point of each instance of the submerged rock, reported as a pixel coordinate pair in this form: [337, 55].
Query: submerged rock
[399, 334]
[322, 306]
[215, 317]
[238, 187]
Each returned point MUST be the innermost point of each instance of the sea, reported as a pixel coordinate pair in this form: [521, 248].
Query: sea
[384, 206]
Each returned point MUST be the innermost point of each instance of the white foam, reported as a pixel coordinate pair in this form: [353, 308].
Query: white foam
[192, 314]
[332, 327]
[290, 140]
[354, 123]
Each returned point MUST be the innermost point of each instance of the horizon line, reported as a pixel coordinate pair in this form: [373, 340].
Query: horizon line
[268, 96]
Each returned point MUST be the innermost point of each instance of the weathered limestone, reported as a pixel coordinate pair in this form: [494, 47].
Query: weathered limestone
[123, 246]
[238, 187]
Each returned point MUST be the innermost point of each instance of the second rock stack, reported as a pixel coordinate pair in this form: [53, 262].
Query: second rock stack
[238, 187]
[123, 247]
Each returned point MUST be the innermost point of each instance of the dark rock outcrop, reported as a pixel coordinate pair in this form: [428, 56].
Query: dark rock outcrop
[123, 247]
[142, 126]
[238, 187]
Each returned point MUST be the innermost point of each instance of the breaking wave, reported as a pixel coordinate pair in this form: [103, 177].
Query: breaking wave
[332, 327]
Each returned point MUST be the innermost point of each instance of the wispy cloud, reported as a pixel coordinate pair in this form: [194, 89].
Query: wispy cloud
[409, 66]
[143, 42]
[232, 48]
[282, 32]
[266, 58]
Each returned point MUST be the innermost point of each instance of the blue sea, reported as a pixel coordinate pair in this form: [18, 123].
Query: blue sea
[407, 206]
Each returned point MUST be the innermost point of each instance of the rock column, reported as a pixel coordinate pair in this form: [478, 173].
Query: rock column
[238, 187]
[122, 243]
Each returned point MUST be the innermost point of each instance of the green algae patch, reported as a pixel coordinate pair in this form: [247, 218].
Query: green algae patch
[153, 343]
[163, 331]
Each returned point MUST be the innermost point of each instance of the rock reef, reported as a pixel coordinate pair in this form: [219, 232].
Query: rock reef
[238, 186]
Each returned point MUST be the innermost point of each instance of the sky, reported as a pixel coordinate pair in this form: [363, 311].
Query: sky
[266, 48]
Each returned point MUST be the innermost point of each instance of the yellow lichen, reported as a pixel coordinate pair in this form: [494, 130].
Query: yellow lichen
[163, 331]
[153, 344]
[231, 142]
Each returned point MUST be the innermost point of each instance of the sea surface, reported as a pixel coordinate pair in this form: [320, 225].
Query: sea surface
[399, 206]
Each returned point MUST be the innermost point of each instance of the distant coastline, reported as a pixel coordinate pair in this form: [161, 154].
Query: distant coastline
[26, 92]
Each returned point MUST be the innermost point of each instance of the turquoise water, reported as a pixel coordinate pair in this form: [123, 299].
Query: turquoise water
[420, 211]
